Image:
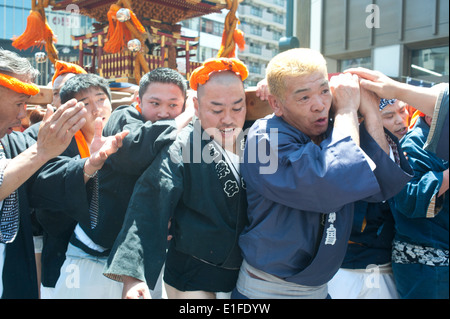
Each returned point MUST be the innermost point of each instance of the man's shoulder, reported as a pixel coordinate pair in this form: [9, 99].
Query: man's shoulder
[184, 137]
[121, 116]
[17, 142]
[273, 126]
[417, 135]
[124, 110]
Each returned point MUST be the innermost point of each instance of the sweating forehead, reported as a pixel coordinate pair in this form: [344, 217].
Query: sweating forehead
[225, 78]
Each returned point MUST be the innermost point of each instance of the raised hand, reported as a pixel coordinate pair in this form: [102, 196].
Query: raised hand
[346, 100]
[58, 128]
[102, 147]
[262, 90]
[345, 91]
[377, 82]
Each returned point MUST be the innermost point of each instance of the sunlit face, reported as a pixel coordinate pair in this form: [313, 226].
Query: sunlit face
[97, 104]
[306, 103]
[13, 109]
[161, 101]
[221, 109]
[395, 118]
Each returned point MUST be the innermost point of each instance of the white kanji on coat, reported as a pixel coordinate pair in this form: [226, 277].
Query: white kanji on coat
[331, 235]
[222, 169]
[231, 188]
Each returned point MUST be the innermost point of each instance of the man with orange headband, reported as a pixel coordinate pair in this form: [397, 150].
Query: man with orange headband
[64, 192]
[63, 72]
[20, 158]
[150, 125]
[195, 183]
[421, 245]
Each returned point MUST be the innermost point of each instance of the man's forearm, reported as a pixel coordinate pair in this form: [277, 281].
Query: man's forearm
[346, 122]
[20, 169]
[374, 126]
[421, 98]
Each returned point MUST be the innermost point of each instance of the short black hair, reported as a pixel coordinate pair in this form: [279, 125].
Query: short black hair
[83, 82]
[162, 75]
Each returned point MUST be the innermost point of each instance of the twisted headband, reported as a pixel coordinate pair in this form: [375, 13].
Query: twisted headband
[202, 73]
[18, 86]
[386, 102]
[62, 67]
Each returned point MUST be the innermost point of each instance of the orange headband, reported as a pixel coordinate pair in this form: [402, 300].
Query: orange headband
[62, 67]
[201, 74]
[18, 86]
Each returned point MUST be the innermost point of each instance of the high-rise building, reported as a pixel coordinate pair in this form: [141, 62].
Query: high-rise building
[263, 23]
[208, 29]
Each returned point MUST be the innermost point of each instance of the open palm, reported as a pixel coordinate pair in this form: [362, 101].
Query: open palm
[102, 147]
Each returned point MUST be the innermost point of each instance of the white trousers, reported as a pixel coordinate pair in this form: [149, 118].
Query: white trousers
[82, 278]
[374, 282]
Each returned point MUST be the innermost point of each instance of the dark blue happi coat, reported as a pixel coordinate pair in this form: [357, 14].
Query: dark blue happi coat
[301, 195]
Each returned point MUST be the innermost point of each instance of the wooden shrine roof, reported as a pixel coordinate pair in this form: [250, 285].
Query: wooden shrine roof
[166, 11]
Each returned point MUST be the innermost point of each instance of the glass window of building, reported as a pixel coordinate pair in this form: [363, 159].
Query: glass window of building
[278, 18]
[256, 30]
[218, 28]
[256, 11]
[365, 62]
[207, 26]
[430, 61]
[276, 35]
[255, 48]
[254, 67]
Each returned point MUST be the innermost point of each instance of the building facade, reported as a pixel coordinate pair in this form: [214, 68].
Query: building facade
[405, 39]
[209, 30]
[65, 24]
[263, 24]
[262, 21]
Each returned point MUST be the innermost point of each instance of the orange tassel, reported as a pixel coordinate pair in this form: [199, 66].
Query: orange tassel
[239, 39]
[137, 23]
[115, 33]
[36, 32]
[118, 34]
[222, 45]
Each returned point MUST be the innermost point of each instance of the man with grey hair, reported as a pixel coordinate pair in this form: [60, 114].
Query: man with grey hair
[20, 158]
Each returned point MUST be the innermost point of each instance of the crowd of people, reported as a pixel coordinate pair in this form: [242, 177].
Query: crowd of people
[341, 192]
